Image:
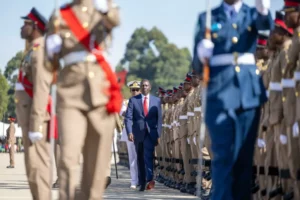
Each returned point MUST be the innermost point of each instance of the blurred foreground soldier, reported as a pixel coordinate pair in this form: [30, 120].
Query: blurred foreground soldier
[88, 93]
[32, 100]
[132, 156]
[234, 92]
[11, 140]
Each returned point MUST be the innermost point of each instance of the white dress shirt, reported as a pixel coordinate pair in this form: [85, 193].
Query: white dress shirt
[148, 100]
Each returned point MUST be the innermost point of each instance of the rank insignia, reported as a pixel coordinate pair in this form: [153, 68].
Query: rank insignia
[36, 47]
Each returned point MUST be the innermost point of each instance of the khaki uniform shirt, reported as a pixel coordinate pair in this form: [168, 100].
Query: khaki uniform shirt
[190, 112]
[32, 112]
[275, 98]
[10, 134]
[294, 66]
[183, 118]
[83, 85]
[197, 110]
[288, 93]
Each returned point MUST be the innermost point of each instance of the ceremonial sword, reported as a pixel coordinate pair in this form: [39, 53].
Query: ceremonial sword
[204, 99]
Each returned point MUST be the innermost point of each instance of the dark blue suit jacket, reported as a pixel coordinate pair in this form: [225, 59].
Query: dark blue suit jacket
[137, 123]
[228, 88]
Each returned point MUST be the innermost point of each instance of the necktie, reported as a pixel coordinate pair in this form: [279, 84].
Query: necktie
[233, 14]
[145, 106]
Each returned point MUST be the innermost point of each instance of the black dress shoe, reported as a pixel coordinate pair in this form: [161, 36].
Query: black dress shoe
[142, 188]
[288, 196]
[108, 181]
[55, 185]
[263, 192]
[275, 192]
[255, 189]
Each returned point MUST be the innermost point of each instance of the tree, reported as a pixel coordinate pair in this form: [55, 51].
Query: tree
[10, 74]
[149, 55]
[4, 86]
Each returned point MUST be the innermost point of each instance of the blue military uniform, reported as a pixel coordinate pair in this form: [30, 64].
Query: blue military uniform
[234, 93]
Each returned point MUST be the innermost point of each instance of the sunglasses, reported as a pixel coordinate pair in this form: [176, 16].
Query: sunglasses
[135, 90]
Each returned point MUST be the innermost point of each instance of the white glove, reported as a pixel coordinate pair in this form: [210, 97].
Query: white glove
[101, 5]
[53, 45]
[205, 49]
[35, 136]
[261, 143]
[263, 6]
[296, 130]
[283, 139]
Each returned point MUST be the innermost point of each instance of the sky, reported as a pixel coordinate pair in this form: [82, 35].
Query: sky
[176, 19]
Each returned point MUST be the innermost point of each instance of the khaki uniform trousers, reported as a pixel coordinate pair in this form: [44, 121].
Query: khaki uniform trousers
[186, 154]
[36, 156]
[177, 155]
[272, 157]
[37, 163]
[12, 154]
[259, 160]
[90, 132]
[57, 157]
[158, 152]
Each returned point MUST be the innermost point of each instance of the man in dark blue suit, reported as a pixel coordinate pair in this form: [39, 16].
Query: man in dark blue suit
[235, 91]
[143, 122]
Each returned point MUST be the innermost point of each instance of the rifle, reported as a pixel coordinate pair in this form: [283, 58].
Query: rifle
[204, 99]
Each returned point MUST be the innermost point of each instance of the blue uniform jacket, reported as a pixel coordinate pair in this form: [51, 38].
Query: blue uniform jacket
[137, 123]
[230, 86]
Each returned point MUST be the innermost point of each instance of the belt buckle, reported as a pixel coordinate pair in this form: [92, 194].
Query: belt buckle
[90, 58]
[235, 57]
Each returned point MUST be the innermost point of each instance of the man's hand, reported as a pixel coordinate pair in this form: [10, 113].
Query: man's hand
[130, 137]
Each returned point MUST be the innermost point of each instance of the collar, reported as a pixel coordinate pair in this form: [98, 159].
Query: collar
[236, 6]
[148, 96]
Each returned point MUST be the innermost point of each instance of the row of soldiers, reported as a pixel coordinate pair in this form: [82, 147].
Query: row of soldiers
[179, 150]
[276, 154]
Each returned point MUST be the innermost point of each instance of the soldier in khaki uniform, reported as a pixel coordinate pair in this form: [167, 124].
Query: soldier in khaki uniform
[168, 139]
[189, 181]
[165, 139]
[195, 138]
[282, 36]
[268, 144]
[161, 159]
[11, 140]
[291, 105]
[31, 98]
[263, 61]
[177, 141]
[175, 137]
[88, 94]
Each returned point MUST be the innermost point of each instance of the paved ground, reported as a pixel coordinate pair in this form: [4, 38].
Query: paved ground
[13, 185]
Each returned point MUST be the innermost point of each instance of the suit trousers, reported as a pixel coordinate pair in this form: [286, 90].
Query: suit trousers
[231, 178]
[145, 156]
[132, 156]
[90, 133]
